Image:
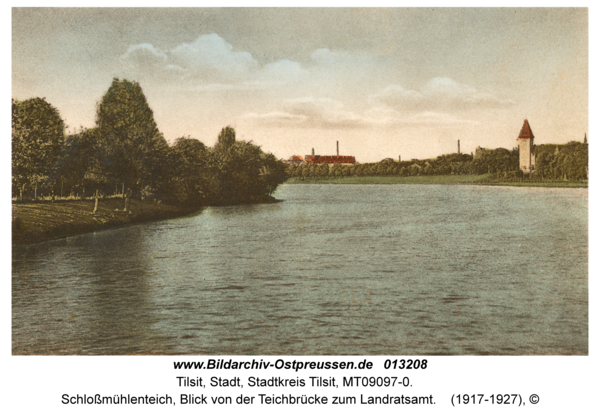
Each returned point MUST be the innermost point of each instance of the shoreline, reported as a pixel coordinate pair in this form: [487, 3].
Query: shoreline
[454, 180]
[41, 221]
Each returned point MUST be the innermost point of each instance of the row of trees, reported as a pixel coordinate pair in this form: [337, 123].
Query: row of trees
[564, 162]
[442, 165]
[126, 154]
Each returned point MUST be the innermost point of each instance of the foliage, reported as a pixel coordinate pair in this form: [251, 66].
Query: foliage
[126, 153]
[496, 161]
[244, 173]
[226, 138]
[37, 137]
[553, 162]
[82, 162]
[189, 173]
[134, 147]
[565, 162]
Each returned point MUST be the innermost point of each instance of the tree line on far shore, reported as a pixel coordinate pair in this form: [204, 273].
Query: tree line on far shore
[125, 154]
[553, 162]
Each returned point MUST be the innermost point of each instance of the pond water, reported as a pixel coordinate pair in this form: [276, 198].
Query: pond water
[332, 270]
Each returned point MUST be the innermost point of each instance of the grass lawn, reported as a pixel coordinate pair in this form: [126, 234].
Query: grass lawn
[538, 184]
[482, 179]
[449, 179]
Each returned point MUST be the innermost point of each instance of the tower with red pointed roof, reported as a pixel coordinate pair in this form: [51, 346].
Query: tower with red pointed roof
[525, 144]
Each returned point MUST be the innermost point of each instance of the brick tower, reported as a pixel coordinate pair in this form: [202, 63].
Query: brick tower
[525, 144]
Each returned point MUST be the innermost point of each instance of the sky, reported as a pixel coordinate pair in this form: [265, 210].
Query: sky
[393, 82]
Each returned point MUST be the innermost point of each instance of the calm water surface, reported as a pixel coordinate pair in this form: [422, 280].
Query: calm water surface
[355, 269]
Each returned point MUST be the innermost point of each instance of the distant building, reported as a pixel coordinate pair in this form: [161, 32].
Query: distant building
[337, 159]
[480, 151]
[294, 160]
[312, 159]
[526, 148]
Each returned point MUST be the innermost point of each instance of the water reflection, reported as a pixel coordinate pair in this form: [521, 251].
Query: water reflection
[333, 270]
[100, 303]
[240, 211]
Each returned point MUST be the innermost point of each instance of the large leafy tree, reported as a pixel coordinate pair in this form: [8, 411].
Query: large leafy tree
[244, 172]
[189, 172]
[136, 151]
[82, 163]
[38, 132]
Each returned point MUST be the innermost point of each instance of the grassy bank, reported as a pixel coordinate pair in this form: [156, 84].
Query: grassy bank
[449, 179]
[45, 220]
[483, 179]
[537, 184]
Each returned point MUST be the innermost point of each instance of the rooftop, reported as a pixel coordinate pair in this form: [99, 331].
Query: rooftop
[526, 130]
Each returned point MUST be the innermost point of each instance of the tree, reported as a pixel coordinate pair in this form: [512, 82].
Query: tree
[189, 172]
[135, 149]
[244, 172]
[226, 138]
[291, 170]
[82, 161]
[322, 170]
[542, 162]
[272, 173]
[38, 132]
[381, 169]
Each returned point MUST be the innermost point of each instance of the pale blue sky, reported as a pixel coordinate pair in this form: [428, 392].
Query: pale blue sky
[383, 82]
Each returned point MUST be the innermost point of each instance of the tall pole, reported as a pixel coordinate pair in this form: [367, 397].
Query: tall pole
[337, 146]
[458, 146]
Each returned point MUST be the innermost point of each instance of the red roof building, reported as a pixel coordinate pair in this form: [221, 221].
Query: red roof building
[526, 149]
[330, 159]
[526, 132]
